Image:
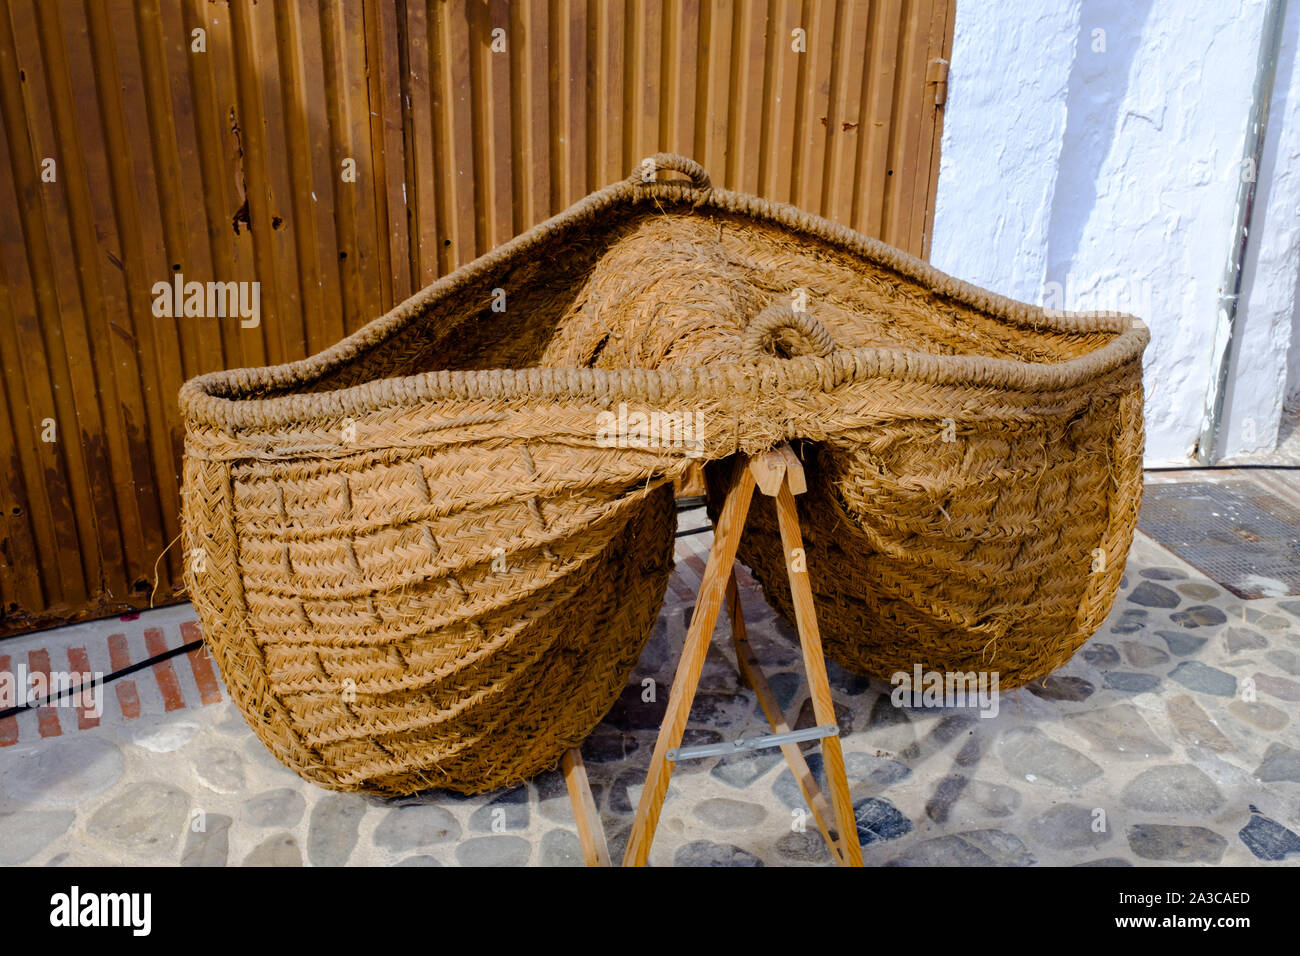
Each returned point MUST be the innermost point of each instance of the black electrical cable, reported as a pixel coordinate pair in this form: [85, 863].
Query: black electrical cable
[44, 702]
[690, 531]
[1226, 468]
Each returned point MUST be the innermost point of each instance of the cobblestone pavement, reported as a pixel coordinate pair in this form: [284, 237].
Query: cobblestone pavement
[1171, 737]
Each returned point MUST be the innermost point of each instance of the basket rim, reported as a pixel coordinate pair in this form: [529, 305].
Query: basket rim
[216, 398]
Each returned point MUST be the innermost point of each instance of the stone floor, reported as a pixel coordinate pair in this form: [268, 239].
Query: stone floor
[1170, 738]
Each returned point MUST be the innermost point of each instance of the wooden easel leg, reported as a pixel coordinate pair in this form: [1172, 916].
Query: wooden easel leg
[591, 834]
[803, 775]
[708, 603]
[814, 661]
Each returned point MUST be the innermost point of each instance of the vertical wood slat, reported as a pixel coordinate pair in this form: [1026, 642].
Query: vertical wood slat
[26, 247]
[28, 576]
[370, 259]
[223, 163]
[121, 535]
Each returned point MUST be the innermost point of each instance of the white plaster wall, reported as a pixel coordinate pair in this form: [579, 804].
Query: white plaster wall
[1109, 164]
[1003, 124]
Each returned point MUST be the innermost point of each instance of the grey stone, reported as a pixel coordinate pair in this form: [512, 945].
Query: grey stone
[1269, 622]
[882, 771]
[743, 769]
[1130, 683]
[879, 820]
[497, 850]
[27, 832]
[1194, 725]
[145, 818]
[63, 772]
[844, 681]
[806, 718]
[421, 860]
[219, 769]
[1030, 754]
[1284, 660]
[1204, 679]
[786, 685]
[785, 789]
[1163, 574]
[281, 807]
[1107, 861]
[1278, 687]
[1130, 620]
[606, 745]
[1199, 615]
[255, 752]
[1263, 716]
[1243, 639]
[946, 792]
[1268, 839]
[970, 753]
[720, 710]
[889, 727]
[1149, 594]
[509, 811]
[949, 727]
[728, 814]
[1118, 730]
[1069, 826]
[1291, 607]
[992, 799]
[280, 849]
[1156, 841]
[620, 797]
[972, 848]
[630, 712]
[561, 848]
[1182, 645]
[1143, 655]
[1280, 763]
[553, 796]
[1197, 591]
[332, 831]
[1174, 788]
[705, 853]
[211, 846]
[785, 630]
[805, 847]
[421, 824]
[1100, 655]
[1058, 687]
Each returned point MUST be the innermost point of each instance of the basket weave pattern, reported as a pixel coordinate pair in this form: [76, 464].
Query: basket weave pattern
[424, 566]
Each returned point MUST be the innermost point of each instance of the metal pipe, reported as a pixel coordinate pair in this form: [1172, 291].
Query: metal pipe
[1207, 444]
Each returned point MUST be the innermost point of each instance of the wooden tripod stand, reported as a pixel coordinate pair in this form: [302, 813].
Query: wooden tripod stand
[778, 474]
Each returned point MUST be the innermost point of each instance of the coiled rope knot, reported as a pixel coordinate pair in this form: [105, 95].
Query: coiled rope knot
[781, 332]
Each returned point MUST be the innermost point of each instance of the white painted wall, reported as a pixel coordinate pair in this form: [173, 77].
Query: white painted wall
[1096, 144]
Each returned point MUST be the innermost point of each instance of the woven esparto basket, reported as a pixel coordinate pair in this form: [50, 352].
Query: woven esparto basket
[430, 555]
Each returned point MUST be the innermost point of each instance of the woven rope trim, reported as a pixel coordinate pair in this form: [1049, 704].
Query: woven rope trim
[217, 398]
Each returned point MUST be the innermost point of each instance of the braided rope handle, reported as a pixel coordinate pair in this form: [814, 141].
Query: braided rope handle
[647, 169]
[759, 334]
